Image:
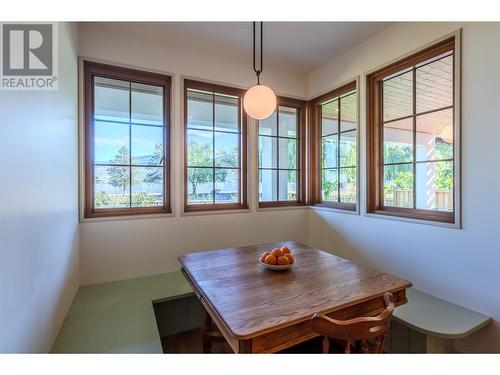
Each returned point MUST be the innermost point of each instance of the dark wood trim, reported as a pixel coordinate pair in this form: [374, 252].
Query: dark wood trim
[374, 136]
[301, 107]
[243, 185]
[91, 70]
[314, 117]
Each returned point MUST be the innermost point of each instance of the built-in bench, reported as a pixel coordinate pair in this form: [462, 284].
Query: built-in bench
[119, 317]
[437, 321]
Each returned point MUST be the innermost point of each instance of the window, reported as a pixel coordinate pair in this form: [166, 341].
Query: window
[411, 136]
[126, 141]
[215, 147]
[280, 155]
[334, 150]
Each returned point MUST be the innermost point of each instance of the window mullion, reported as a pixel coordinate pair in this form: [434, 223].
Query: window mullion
[278, 154]
[338, 153]
[414, 137]
[213, 148]
[130, 141]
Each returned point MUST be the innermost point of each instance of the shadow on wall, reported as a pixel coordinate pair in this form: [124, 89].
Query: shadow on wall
[38, 278]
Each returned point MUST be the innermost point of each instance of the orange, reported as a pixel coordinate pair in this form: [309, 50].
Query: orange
[263, 256]
[283, 261]
[277, 252]
[271, 259]
[290, 258]
[285, 250]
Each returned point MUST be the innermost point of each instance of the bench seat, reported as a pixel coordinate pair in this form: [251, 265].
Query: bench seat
[441, 321]
[118, 317]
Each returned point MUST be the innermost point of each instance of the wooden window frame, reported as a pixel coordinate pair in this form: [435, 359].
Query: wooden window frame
[314, 116]
[301, 107]
[227, 90]
[92, 69]
[374, 144]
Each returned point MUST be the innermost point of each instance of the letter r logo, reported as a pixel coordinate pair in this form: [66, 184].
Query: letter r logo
[27, 49]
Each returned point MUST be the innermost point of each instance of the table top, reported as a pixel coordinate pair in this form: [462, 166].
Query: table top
[252, 300]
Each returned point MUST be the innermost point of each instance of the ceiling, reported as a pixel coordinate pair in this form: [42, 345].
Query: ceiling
[293, 46]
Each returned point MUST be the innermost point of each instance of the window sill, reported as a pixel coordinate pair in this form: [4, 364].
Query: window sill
[215, 210]
[290, 206]
[324, 207]
[395, 216]
[126, 217]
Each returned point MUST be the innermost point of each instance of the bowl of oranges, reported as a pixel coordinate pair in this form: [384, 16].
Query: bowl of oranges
[278, 259]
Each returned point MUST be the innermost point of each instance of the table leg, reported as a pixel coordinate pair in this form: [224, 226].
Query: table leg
[206, 332]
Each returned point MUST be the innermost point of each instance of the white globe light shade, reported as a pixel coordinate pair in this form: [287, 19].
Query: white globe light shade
[259, 102]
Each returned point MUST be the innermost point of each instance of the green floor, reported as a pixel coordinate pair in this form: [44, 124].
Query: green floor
[117, 317]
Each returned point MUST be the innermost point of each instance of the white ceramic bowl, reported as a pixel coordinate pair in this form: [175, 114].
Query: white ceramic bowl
[276, 268]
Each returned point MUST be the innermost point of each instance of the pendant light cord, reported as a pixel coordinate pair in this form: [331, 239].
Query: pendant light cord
[261, 67]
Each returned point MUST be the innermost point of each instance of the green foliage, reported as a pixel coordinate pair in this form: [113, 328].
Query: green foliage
[143, 199]
[201, 155]
[444, 176]
[397, 153]
[155, 175]
[102, 200]
[401, 181]
[119, 176]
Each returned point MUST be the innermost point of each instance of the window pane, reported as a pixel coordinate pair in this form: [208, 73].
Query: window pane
[288, 122]
[398, 185]
[226, 113]
[398, 141]
[111, 187]
[226, 149]
[288, 185]
[347, 184]
[435, 186]
[329, 185]
[435, 85]
[269, 125]
[111, 142]
[226, 185]
[398, 96]
[268, 152]
[349, 109]
[200, 110]
[268, 185]
[200, 185]
[147, 144]
[348, 149]
[329, 151]
[329, 117]
[111, 99]
[147, 186]
[147, 104]
[435, 136]
[287, 153]
[200, 148]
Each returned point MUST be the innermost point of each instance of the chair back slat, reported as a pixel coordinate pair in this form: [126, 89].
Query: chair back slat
[357, 329]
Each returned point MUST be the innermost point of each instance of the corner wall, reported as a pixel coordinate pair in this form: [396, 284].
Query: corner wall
[458, 265]
[126, 248]
[39, 207]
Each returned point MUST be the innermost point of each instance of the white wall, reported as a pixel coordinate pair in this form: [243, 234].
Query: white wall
[120, 249]
[462, 266]
[39, 207]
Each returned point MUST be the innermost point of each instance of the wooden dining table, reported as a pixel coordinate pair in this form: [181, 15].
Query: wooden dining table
[258, 310]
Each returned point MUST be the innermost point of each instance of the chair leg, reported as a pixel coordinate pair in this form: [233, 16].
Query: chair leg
[326, 344]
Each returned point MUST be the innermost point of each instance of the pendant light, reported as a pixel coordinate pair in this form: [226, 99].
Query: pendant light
[259, 101]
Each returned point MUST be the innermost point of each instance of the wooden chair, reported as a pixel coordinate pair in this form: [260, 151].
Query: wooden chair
[356, 331]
